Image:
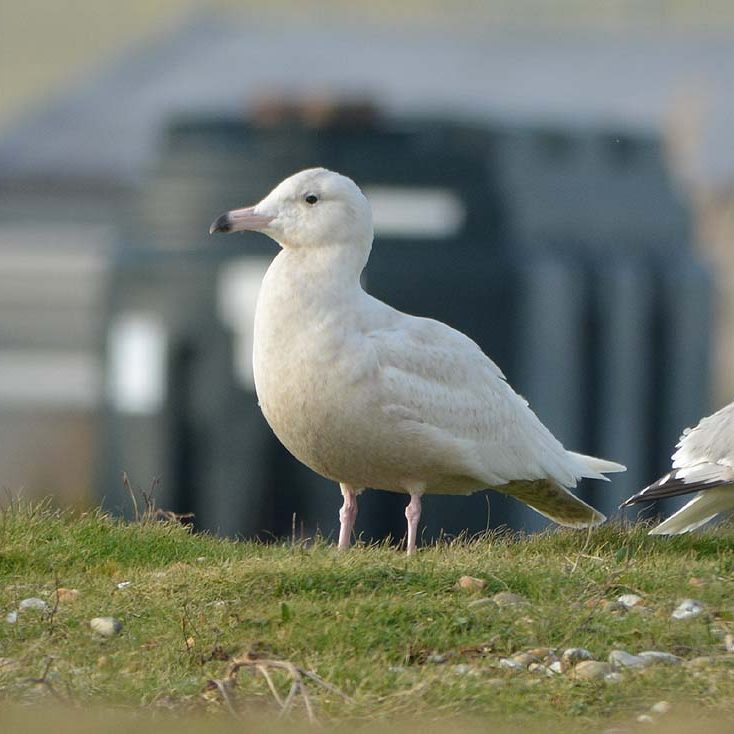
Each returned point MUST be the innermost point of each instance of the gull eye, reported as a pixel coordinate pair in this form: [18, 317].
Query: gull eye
[311, 199]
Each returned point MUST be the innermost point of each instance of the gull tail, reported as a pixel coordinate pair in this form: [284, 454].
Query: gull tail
[594, 468]
[555, 502]
[703, 507]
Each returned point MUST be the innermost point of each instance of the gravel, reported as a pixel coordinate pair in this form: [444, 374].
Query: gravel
[688, 609]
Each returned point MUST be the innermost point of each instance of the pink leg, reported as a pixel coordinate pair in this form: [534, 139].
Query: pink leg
[347, 515]
[413, 515]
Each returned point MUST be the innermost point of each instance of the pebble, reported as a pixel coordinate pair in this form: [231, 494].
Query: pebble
[556, 666]
[688, 609]
[106, 626]
[469, 583]
[729, 643]
[656, 656]
[436, 658]
[123, 584]
[66, 595]
[629, 600]
[621, 659]
[592, 670]
[509, 599]
[661, 707]
[524, 658]
[645, 719]
[573, 655]
[33, 602]
[11, 617]
[510, 664]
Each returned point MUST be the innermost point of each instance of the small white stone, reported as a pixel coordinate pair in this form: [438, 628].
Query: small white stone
[729, 643]
[201, 559]
[621, 659]
[510, 664]
[124, 584]
[106, 626]
[661, 707]
[33, 602]
[645, 719]
[11, 617]
[629, 600]
[436, 658]
[556, 666]
[688, 609]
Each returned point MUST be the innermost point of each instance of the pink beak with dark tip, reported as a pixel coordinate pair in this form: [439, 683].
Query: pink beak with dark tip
[240, 220]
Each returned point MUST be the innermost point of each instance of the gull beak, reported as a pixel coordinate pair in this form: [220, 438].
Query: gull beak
[240, 220]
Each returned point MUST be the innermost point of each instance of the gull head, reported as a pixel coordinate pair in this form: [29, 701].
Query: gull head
[310, 209]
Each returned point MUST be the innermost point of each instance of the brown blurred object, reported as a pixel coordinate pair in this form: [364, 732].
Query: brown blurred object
[314, 111]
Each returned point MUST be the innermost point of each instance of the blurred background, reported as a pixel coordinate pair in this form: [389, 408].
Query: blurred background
[556, 179]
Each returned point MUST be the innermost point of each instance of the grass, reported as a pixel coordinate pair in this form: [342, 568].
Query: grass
[368, 621]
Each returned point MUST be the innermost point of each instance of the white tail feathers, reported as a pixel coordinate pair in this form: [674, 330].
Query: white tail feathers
[596, 468]
[703, 507]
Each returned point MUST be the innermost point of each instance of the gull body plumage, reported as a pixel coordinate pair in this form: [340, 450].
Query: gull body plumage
[372, 397]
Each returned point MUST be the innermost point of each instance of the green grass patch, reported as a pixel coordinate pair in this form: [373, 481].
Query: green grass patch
[393, 634]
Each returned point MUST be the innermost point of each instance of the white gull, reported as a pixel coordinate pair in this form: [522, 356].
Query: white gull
[371, 397]
[703, 463]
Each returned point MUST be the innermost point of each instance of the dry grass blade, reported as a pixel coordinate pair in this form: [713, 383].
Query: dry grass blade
[297, 675]
[264, 672]
[222, 688]
[325, 684]
[289, 699]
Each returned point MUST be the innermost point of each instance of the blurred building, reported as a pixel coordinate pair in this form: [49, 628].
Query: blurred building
[72, 172]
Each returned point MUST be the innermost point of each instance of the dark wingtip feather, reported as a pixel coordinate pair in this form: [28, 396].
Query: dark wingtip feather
[669, 486]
